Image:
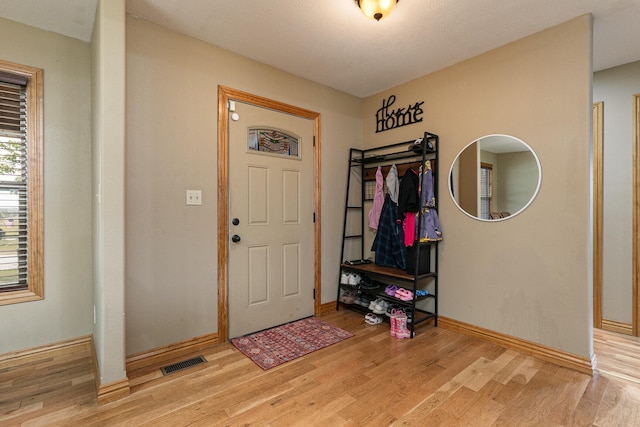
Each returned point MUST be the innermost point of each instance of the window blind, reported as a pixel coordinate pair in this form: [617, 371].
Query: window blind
[13, 182]
[10, 108]
[485, 192]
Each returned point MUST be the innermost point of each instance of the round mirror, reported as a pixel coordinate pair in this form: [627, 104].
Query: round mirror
[495, 177]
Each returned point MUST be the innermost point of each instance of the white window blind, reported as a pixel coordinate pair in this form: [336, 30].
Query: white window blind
[485, 192]
[13, 182]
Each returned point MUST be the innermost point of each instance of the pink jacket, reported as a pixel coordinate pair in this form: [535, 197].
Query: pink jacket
[378, 201]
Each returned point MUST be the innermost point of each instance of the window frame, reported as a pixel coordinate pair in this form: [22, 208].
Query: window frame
[35, 185]
[489, 188]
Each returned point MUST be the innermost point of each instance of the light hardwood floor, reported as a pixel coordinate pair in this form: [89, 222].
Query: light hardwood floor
[440, 378]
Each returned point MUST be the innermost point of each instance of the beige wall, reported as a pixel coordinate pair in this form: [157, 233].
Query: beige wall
[172, 80]
[616, 87]
[66, 311]
[528, 276]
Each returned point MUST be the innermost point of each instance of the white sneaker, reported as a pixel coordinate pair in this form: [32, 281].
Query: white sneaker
[344, 279]
[381, 307]
[354, 279]
[372, 319]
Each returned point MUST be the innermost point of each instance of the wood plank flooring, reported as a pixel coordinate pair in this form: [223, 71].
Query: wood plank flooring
[440, 378]
[618, 355]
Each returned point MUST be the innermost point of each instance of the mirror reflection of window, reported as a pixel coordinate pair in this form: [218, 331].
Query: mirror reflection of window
[486, 190]
[495, 177]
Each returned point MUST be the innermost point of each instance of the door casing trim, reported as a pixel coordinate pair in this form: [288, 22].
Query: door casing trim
[598, 115]
[636, 217]
[226, 94]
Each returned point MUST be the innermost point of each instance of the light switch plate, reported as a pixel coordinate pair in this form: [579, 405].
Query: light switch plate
[194, 197]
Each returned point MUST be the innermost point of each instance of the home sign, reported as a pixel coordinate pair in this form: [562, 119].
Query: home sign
[389, 118]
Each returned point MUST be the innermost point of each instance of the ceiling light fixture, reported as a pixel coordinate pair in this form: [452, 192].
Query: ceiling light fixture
[376, 9]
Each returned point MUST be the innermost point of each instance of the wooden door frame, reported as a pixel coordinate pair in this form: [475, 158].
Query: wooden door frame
[598, 144]
[598, 139]
[636, 215]
[226, 94]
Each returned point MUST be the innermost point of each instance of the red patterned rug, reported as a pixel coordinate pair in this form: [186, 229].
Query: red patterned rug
[284, 343]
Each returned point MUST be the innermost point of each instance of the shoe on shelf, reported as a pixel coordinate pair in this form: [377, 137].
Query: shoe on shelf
[367, 284]
[354, 279]
[365, 300]
[358, 299]
[348, 297]
[391, 290]
[392, 307]
[422, 293]
[344, 279]
[372, 304]
[399, 293]
[381, 307]
[409, 313]
[404, 294]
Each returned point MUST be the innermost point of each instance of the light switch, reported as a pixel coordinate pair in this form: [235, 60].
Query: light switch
[194, 197]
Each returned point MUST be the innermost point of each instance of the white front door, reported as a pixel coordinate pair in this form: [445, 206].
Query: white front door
[271, 200]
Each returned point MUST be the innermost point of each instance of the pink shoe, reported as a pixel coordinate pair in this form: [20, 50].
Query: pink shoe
[404, 294]
[401, 326]
[394, 319]
[392, 329]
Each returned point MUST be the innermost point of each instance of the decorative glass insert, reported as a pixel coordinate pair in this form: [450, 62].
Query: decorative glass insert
[274, 141]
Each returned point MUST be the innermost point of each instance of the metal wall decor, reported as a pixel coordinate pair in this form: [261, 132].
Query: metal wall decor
[388, 118]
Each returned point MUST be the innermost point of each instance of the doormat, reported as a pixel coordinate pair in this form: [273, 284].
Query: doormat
[284, 343]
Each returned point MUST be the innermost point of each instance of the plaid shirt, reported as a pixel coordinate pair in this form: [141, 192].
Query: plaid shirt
[389, 241]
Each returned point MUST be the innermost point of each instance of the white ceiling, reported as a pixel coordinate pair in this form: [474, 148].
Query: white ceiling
[332, 43]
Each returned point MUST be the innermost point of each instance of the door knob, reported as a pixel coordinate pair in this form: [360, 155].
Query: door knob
[235, 221]
[235, 238]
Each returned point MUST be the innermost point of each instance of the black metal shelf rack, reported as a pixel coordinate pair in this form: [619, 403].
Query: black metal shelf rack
[362, 164]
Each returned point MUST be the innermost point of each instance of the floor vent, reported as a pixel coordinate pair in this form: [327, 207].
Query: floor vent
[183, 365]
